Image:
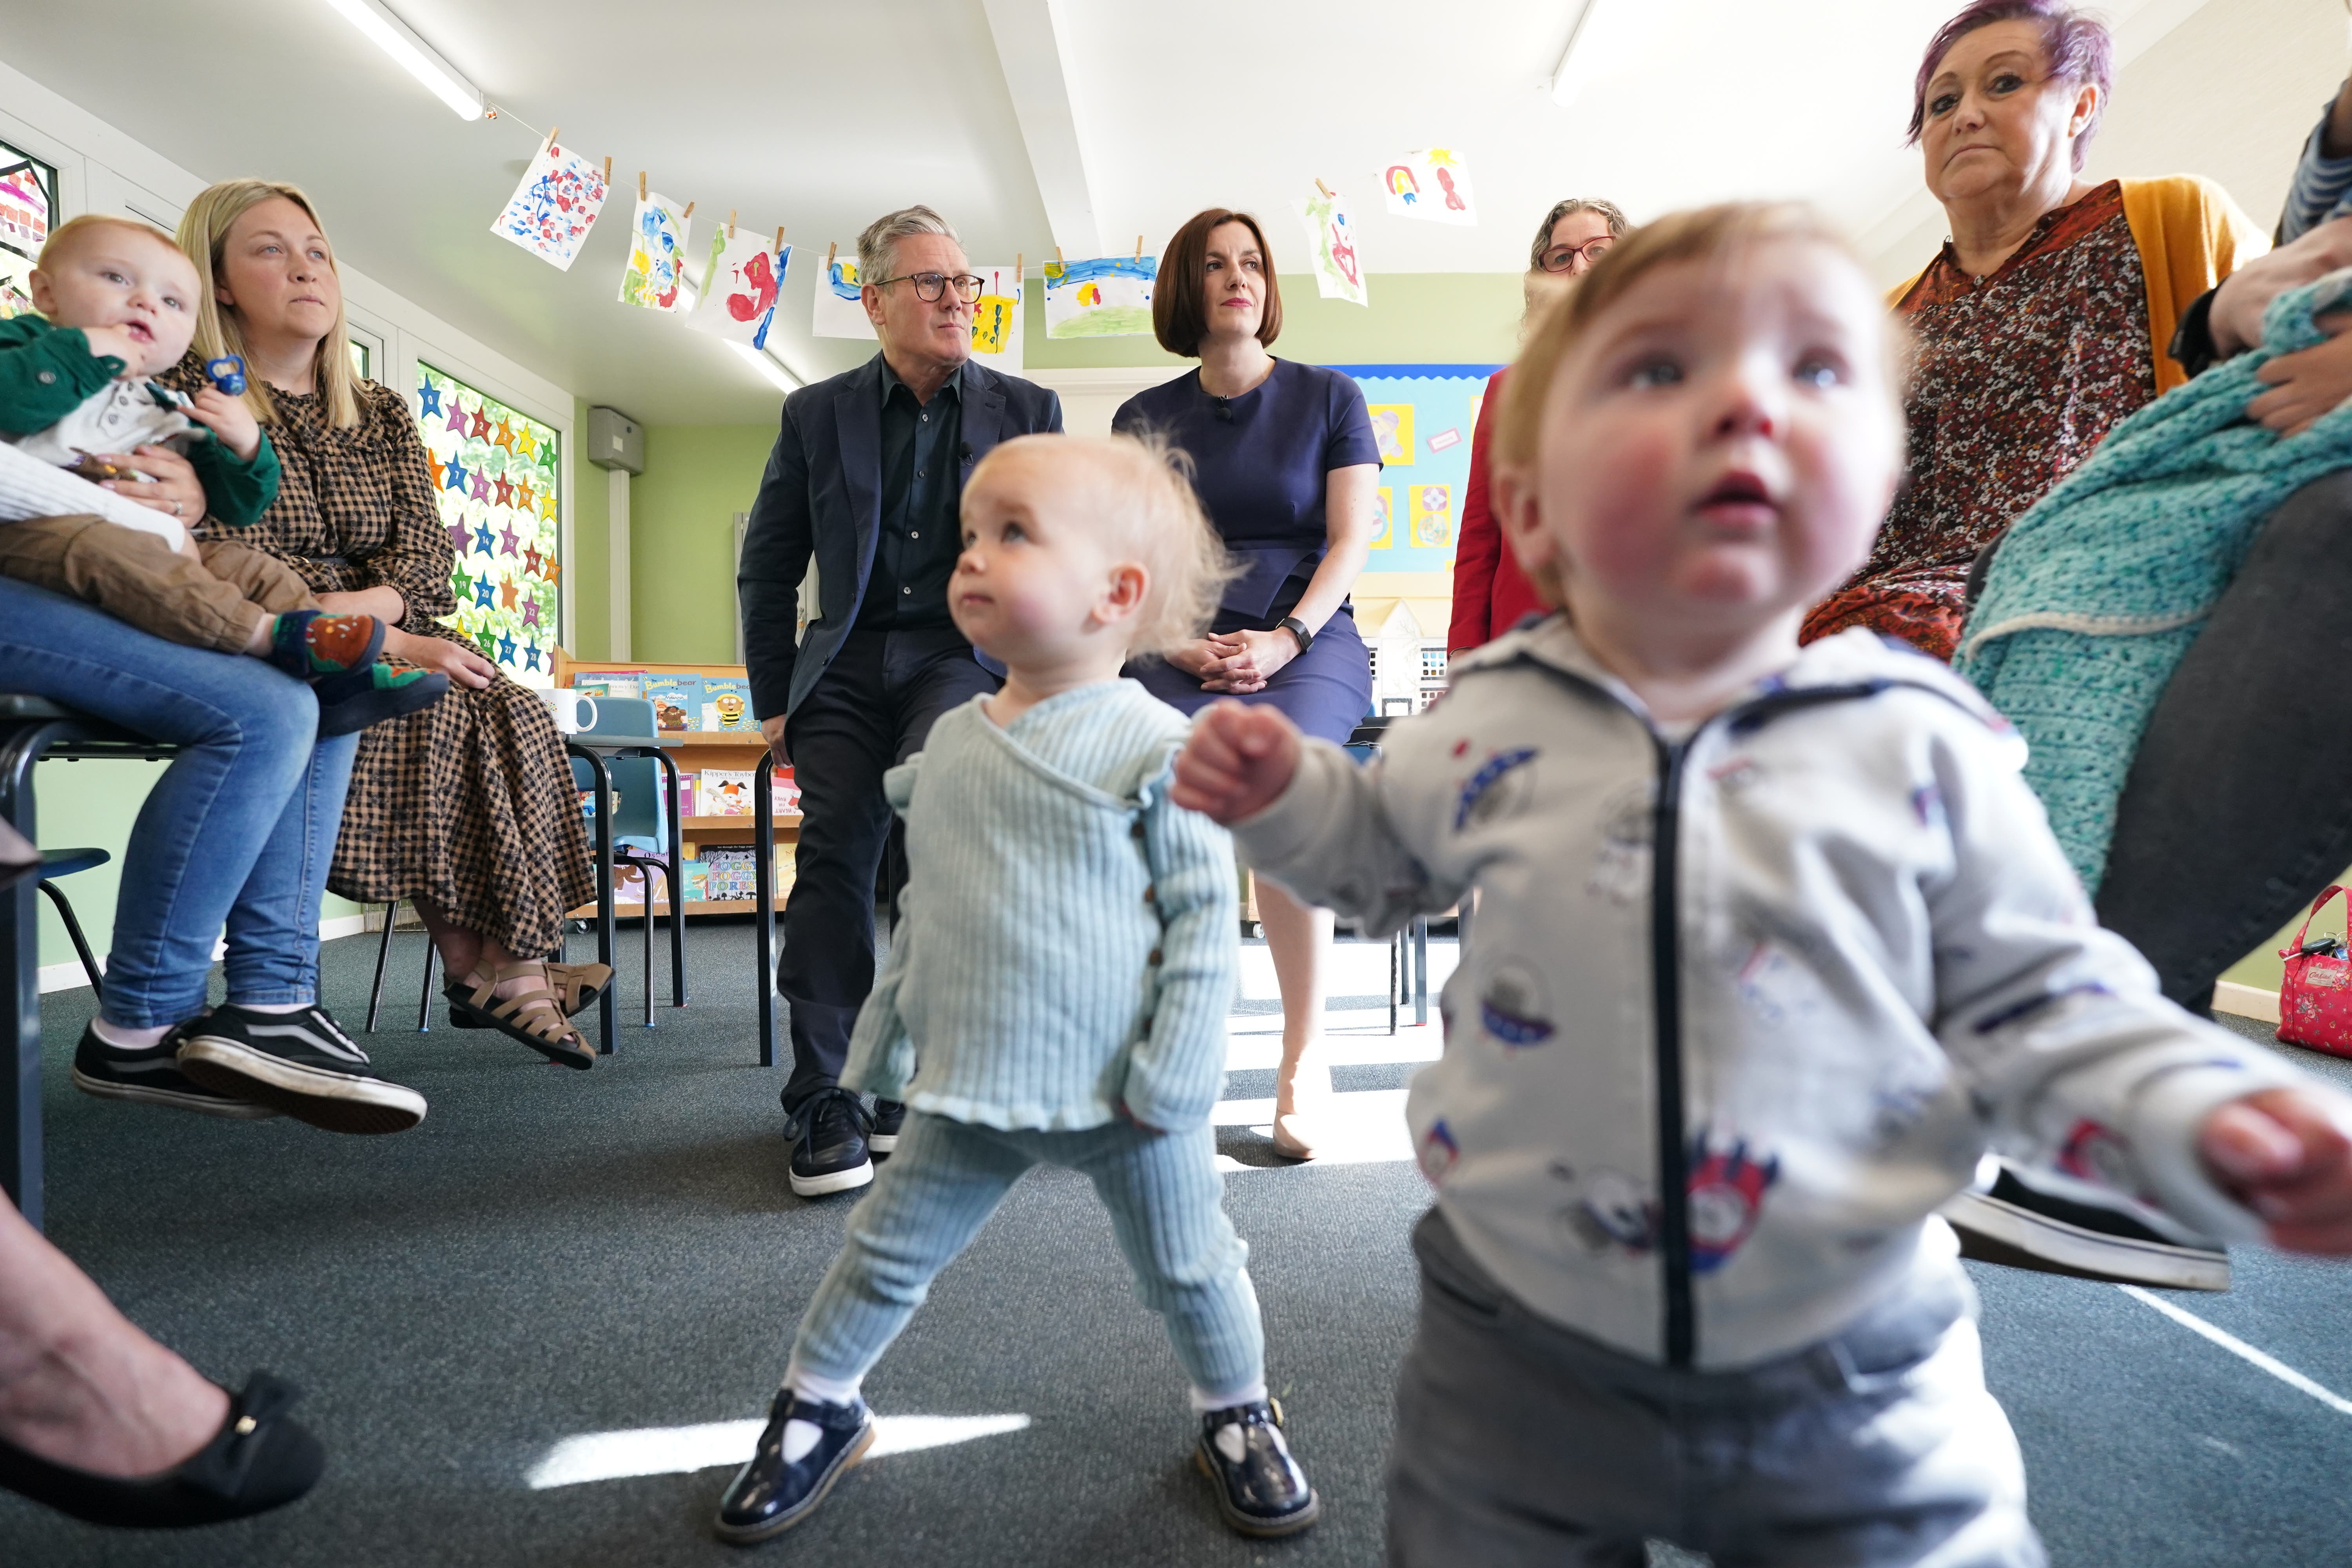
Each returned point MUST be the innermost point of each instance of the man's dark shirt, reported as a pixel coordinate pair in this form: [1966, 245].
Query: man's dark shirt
[921, 535]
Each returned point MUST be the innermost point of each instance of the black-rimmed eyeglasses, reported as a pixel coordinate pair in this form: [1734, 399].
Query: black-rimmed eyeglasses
[929, 286]
[1563, 257]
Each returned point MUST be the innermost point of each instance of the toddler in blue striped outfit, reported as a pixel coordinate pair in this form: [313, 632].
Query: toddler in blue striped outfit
[1057, 984]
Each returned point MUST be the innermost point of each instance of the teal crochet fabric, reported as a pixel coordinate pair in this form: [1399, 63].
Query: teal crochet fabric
[2101, 588]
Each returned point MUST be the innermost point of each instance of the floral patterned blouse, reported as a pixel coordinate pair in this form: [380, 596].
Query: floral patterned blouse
[2017, 376]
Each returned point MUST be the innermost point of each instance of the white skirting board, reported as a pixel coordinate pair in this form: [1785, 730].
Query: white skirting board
[2246, 1001]
[67, 976]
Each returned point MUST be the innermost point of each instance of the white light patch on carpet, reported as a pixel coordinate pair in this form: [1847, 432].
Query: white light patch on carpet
[678, 1451]
[1366, 1126]
[2241, 1350]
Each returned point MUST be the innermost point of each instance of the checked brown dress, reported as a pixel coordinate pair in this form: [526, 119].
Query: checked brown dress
[2018, 375]
[469, 803]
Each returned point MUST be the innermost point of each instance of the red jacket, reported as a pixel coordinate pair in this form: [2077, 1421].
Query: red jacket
[1490, 593]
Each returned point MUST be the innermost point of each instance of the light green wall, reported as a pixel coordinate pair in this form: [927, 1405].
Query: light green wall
[682, 538]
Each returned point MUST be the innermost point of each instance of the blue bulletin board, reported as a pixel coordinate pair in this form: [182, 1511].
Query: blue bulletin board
[1424, 416]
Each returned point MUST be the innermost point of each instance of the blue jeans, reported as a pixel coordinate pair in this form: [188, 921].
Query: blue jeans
[239, 831]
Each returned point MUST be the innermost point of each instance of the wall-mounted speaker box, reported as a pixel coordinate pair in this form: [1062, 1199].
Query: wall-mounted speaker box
[615, 441]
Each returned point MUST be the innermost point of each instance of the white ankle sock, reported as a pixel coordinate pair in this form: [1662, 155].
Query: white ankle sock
[830, 1390]
[126, 1040]
[273, 1006]
[1248, 1393]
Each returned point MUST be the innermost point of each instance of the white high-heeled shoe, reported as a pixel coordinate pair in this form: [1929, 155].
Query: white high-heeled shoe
[1304, 1086]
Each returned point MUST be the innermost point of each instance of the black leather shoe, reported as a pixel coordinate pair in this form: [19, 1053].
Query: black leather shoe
[889, 1117]
[256, 1461]
[827, 1132]
[1261, 1491]
[770, 1493]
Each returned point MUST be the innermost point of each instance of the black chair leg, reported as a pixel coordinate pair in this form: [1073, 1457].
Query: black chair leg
[1420, 970]
[425, 997]
[763, 892]
[677, 904]
[81, 943]
[382, 952]
[20, 977]
[1396, 977]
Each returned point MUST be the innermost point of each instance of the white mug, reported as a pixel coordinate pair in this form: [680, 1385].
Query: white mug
[564, 704]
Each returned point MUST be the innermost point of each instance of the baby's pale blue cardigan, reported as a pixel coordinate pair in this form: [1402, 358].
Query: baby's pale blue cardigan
[1066, 942]
[2099, 589]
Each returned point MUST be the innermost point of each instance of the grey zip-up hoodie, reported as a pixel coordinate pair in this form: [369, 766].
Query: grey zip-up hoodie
[1740, 1007]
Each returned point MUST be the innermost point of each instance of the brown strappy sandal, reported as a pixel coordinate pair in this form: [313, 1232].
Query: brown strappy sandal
[577, 985]
[534, 1019]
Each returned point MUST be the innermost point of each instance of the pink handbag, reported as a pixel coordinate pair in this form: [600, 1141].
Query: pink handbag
[2315, 999]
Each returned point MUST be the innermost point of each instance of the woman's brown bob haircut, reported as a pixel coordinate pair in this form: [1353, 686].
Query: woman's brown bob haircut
[1706, 233]
[1179, 320]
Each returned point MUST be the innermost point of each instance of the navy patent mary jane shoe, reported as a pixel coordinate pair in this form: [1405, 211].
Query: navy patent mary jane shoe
[788, 1475]
[1261, 1491]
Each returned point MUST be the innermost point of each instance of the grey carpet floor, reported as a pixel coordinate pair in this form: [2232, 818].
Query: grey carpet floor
[555, 1253]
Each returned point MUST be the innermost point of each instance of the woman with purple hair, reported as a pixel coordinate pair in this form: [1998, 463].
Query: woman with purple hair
[2047, 317]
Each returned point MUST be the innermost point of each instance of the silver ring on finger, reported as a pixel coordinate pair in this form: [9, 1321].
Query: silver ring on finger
[175, 508]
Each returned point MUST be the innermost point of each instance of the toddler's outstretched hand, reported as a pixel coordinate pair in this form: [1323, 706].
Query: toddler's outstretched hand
[2284, 1153]
[229, 419]
[1238, 762]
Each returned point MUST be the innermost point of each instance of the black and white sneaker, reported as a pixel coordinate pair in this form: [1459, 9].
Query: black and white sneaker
[300, 1063]
[807, 1447]
[151, 1075]
[827, 1132]
[889, 1117]
[1261, 1491]
[2024, 1223]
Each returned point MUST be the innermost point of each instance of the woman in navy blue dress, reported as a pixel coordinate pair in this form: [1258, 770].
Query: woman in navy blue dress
[1286, 466]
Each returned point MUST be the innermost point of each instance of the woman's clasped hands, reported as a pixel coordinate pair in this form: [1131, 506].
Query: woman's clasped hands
[1235, 663]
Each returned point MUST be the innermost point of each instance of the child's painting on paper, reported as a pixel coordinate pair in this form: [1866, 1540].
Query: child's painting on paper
[1110, 297]
[996, 318]
[1393, 429]
[840, 312]
[552, 211]
[1431, 185]
[739, 291]
[1331, 238]
[1432, 517]
[657, 241]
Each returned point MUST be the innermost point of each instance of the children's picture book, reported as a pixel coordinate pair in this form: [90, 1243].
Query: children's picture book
[696, 875]
[728, 871]
[610, 683]
[684, 806]
[677, 700]
[787, 791]
[727, 704]
[723, 792]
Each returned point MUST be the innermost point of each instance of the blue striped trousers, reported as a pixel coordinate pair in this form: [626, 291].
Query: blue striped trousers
[931, 1198]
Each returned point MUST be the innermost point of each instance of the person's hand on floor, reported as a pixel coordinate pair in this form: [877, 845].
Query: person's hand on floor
[2309, 384]
[2236, 317]
[2285, 1153]
[1237, 763]
[460, 664]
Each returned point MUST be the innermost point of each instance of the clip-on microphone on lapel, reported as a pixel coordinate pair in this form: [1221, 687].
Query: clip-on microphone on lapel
[1224, 410]
[963, 452]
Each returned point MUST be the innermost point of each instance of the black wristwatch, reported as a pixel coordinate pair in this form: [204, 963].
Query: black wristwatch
[1297, 628]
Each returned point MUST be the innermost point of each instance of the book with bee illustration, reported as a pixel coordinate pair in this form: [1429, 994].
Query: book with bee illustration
[727, 704]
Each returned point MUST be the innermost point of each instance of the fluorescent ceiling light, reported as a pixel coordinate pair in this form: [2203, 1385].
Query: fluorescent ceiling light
[778, 372]
[1575, 67]
[392, 35]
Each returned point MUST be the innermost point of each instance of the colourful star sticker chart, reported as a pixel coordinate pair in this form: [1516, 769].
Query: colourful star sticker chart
[497, 474]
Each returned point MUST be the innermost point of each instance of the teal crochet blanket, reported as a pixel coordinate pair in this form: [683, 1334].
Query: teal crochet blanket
[2101, 588]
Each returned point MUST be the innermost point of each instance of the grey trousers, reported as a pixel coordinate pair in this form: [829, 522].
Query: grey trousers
[1520, 1443]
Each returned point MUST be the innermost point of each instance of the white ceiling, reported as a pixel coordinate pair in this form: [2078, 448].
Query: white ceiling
[1132, 116]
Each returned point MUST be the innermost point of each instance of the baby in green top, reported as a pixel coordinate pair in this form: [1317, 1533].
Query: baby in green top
[118, 302]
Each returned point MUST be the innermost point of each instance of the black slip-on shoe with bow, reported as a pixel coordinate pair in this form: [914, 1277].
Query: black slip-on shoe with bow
[1261, 1491]
[777, 1488]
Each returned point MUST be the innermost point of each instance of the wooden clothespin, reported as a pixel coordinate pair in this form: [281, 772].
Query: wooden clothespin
[641, 184]
[730, 223]
[552, 131]
[832, 247]
[608, 169]
[1020, 266]
[1321, 186]
[686, 214]
[1057, 259]
[778, 249]
[1139, 247]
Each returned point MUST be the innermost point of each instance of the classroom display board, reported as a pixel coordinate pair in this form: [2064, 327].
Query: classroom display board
[28, 200]
[497, 474]
[1424, 416]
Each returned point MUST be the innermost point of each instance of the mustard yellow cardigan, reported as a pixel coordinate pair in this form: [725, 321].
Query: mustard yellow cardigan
[2190, 235]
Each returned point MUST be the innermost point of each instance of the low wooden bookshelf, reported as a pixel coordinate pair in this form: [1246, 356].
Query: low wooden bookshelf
[742, 752]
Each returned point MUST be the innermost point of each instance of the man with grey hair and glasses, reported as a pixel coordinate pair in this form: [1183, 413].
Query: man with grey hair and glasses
[863, 487]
